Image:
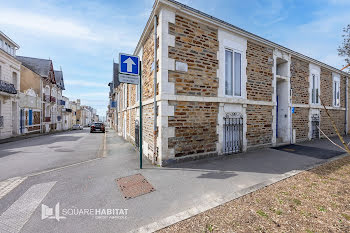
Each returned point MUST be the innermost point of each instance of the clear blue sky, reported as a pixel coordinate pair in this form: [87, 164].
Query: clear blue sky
[83, 37]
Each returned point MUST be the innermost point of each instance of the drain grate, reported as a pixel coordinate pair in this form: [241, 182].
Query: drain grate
[134, 186]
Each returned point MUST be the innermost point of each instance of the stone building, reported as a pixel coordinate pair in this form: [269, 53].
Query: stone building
[9, 87]
[221, 89]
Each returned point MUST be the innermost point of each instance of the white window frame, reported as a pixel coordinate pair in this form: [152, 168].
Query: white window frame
[336, 90]
[233, 72]
[315, 90]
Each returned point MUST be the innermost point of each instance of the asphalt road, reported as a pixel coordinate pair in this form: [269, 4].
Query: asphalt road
[37, 154]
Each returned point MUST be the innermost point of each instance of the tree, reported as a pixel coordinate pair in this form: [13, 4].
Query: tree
[344, 49]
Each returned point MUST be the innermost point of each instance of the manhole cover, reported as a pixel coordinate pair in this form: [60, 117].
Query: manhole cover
[134, 186]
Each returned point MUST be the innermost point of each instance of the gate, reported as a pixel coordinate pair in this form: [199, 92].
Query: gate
[137, 133]
[315, 123]
[233, 133]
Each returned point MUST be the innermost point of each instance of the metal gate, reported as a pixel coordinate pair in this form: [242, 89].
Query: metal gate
[137, 133]
[233, 133]
[315, 123]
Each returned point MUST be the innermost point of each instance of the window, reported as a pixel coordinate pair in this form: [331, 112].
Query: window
[315, 82]
[336, 91]
[0, 72]
[233, 73]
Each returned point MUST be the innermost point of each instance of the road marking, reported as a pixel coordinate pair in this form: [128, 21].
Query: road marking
[63, 167]
[8, 185]
[14, 218]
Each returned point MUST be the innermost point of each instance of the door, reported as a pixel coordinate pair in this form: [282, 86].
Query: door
[233, 133]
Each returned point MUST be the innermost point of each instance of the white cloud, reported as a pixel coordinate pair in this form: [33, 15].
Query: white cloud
[48, 25]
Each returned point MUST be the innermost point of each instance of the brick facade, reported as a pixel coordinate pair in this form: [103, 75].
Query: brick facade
[299, 81]
[326, 125]
[259, 124]
[259, 72]
[300, 119]
[195, 127]
[195, 44]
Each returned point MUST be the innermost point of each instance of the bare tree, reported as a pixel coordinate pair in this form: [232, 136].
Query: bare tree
[344, 49]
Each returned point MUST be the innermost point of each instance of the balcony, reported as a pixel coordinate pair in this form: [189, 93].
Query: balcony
[7, 87]
[62, 102]
[52, 99]
[47, 119]
[46, 98]
[1, 121]
[66, 110]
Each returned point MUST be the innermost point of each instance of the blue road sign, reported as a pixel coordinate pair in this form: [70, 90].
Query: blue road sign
[129, 64]
[293, 110]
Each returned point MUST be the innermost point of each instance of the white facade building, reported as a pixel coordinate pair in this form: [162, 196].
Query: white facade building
[9, 86]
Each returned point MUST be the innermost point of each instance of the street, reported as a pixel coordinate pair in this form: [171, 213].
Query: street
[30, 156]
[181, 191]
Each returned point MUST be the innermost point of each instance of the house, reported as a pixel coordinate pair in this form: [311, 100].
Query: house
[50, 90]
[30, 97]
[9, 86]
[60, 102]
[66, 114]
[221, 89]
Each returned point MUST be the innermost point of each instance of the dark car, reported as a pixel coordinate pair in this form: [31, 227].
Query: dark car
[97, 127]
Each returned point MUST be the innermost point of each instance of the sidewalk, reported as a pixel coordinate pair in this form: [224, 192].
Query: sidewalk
[186, 189]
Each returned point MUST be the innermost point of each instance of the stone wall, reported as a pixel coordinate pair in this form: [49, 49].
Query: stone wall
[327, 88]
[259, 72]
[195, 44]
[147, 74]
[299, 71]
[326, 126]
[259, 124]
[300, 119]
[195, 127]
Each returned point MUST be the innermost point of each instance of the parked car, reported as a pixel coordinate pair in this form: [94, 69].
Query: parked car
[97, 127]
[77, 127]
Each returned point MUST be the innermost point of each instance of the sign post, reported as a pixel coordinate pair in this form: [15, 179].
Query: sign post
[140, 138]
[130, 72]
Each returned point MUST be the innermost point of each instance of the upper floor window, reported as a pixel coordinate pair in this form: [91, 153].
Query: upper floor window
[233, 73]
[315, 85]
[336, 91]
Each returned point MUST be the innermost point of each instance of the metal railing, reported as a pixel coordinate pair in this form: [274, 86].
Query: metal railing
[7, 87]
[47, 119]
[1, 121]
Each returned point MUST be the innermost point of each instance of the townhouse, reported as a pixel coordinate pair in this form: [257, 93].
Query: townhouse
[30, 94]
[9, 87]
[220, 89]
[50, 93]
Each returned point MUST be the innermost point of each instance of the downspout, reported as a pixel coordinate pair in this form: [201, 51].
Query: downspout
[155, 154]
[41, 105]
[346, 107]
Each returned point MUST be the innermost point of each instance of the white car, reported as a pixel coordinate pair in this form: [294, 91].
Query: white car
[77, 127]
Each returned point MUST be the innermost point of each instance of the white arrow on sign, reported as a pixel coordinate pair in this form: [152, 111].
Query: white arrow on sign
[129, 63]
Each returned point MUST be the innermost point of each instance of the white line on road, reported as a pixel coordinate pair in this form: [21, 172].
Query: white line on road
[14, 218]
[8, 185]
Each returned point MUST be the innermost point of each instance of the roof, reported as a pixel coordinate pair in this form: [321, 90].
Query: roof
[59, 79]
[8, 38]
[218, 22]
[38, 65]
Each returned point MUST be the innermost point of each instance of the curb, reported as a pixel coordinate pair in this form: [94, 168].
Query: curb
[209, 203]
